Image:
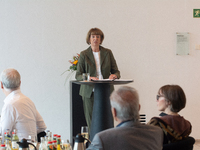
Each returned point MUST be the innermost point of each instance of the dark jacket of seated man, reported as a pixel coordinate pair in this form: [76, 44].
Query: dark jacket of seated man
[129, 134]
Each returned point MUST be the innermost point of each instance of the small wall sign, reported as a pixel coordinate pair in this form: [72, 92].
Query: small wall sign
[196, 13]
[182, 43]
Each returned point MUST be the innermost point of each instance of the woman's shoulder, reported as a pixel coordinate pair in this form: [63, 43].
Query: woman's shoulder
[105, 49]
[173, 120]
[101, 48]
[155, 121]
[86, 50]
[174, 117]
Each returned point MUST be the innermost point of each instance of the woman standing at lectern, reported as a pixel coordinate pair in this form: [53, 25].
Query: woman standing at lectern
[100, 63]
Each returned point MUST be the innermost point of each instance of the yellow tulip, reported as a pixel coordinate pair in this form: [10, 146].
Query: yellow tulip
[75, 62]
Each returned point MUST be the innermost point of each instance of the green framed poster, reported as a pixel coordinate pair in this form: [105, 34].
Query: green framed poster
[196, 13]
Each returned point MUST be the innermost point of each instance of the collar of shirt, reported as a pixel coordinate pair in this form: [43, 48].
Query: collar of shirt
[162, 114]
[9, 97]
[122, 123]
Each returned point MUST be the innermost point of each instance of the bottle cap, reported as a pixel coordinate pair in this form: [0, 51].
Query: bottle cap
[13, 132]
[49, 142]
[58, 136]
[54, 141]
[3, 145]
[55, 135]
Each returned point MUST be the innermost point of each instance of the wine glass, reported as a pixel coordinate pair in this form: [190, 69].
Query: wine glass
[66, 145]
[33, 140]
[84, 133]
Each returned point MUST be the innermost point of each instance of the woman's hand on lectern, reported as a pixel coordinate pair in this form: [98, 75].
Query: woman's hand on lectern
[93, 78]
[112, 77]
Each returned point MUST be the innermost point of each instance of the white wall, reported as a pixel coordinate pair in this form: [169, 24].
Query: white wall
[38, 37]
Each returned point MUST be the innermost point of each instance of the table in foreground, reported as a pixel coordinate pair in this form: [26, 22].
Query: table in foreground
[102, 116]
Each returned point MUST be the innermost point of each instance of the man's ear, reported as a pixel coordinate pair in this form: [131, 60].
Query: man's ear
[2, 85]
[114, 113]
[139, 107]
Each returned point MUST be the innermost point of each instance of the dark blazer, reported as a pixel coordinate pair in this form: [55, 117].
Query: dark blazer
[86, 64]
[129, 136]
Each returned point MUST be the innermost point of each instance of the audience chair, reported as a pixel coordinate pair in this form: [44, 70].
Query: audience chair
[185, 144]
[142, 118]
[39, 135]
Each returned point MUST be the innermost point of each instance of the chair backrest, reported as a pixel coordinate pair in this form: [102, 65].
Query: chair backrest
[185, 144]
[142, 118]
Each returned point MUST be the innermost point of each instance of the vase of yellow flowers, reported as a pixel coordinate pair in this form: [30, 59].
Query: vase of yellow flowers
[72, 69]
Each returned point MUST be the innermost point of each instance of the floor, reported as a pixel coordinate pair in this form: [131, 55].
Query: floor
[197, 145]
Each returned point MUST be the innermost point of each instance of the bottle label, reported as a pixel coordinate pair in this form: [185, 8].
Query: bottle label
[15, 145]
[58, 141]
[55, 147]
[50, 147]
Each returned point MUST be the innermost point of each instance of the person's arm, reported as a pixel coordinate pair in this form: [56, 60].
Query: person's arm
[8, 117]
[114, 69]
[41, 126]
[80, 67]
[96, 143]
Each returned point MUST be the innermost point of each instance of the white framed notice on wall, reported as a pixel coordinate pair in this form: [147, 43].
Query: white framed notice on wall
[182, 43]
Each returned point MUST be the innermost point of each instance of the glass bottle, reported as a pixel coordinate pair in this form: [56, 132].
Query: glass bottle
[59, 142]
[46, 140]
[54, 142]
[0, 140]
[55, 137]
[47, 134]
[7, 136]
[50, 136]
[43, 145]
[8, 145]
[15, 139]
[3, 147]
[50, 146]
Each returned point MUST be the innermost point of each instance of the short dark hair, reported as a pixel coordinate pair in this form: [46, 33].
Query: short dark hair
[94, 31]
[175, 95]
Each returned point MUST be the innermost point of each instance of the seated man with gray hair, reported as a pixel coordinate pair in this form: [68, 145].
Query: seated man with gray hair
[18, 112]
[129, 134]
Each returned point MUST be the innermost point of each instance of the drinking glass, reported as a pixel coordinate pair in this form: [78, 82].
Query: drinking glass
[88, 76]
[84, 77]
[84, 133]
[33, 140]
[66, 145]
